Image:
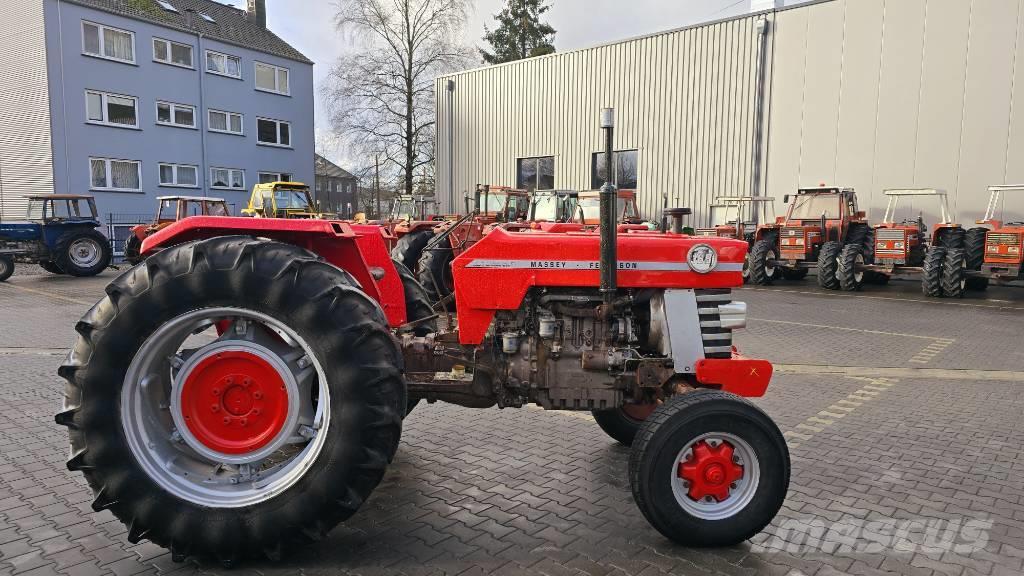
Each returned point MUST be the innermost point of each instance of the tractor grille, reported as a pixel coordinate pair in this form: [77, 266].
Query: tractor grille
[1003, 239]
[885, 243]
[717, 340]
[792, 243]
[1002, 247]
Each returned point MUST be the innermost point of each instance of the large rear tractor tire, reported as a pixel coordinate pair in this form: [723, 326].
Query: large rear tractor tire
[622, 423]
[850, 258]
[954, 277]
[409, 248]
[828, 265]
[258, 404]
[952, 238]
[709, 468]
[82, 253]
[6, 267]
[931, 271]
[51, 267]
[762, 268]
[435, 272]
[974, 252]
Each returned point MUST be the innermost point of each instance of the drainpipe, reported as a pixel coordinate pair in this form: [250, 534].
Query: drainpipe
[759, 76]
[202, 113]
[450, 85]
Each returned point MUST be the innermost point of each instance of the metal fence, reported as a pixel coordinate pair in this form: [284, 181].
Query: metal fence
[119, 228]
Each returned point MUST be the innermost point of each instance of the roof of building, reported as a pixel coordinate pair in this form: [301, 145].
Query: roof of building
[230, 25]
[325, 167]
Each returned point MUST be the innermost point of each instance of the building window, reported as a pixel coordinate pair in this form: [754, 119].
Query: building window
[106, 42]
[273, 132]
[172, 53]
[535, 173]
[179, 175]
[223, 64]
[271, 78]
[230, 178]
[171, 114]
[115, 175]
[625, 163]
[227, 122]
[268, 177]
[111, 109]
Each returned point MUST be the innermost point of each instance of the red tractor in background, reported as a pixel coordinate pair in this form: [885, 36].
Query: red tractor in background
[738, 217]
[818, 225]
[242, 391]
[989, 253]
[411, 223]
[170, 209]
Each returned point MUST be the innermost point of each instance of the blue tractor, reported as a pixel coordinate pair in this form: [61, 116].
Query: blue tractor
[59, 233]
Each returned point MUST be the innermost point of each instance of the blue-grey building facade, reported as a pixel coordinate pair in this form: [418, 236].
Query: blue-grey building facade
[149, 98]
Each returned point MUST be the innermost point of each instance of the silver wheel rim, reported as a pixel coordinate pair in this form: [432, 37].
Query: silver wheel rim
[858, 276]
[172, 456]
[769, 268]
[741, 492]
[85, 252]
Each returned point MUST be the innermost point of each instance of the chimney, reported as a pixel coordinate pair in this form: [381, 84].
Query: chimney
[257, 10]
[755, 5]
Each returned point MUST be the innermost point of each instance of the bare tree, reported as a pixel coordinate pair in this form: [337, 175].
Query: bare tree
[380, 94]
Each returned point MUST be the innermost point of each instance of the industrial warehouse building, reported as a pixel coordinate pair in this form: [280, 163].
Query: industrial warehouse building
[872, 94]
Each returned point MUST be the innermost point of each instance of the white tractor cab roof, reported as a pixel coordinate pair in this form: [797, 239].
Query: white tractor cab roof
[726, 209]
[895, 194]
[191, 198]
[994, 200]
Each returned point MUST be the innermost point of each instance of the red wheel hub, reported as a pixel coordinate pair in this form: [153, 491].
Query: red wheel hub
[234, 402]
[710, 470]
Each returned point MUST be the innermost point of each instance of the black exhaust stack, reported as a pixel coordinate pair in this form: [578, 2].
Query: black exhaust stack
[609, 254]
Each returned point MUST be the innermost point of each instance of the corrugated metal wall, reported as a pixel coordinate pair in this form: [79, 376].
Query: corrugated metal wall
[872, 94]
[882, 94]
[684, 99]
[26, 164]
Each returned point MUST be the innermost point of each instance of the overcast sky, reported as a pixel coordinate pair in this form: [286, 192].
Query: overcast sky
[579, 23]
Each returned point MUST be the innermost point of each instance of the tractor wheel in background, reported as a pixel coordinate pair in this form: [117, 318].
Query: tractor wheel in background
[435, 272]
[623, 422]
[858, 234]
[795, 273]
[409, 248]
[417, 306]
[6, 267]
[82, 252]
[931, 271]
[974, 252]
[133, 249]
[50, 266]
[828, 265]
[851, 256]
[709, 468]
[321, 398]
[762, 257]
[954, 278]
[952, 238]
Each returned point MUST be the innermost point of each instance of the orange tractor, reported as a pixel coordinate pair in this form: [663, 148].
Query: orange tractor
[993, 252]
[818, 225]
[738, 217]
[411, 223]
[171, 209]
[244, 391]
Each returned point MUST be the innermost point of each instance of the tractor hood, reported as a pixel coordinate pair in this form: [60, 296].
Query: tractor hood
[20, 230]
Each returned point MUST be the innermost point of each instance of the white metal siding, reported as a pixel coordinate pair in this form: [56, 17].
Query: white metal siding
[684, 99]
[26, 165]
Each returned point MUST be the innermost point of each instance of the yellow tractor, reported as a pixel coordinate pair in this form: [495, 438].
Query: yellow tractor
[283, 200]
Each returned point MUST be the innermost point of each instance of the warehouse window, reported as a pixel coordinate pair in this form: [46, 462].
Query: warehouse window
[179, 175]
[625, 163]
[227, 178]
[116, 175]
[535, 173]
[111, 109]
[172, 53]
[273, 132]
[106, 42]
[175, 114]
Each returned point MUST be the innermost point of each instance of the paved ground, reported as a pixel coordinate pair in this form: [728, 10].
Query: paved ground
[904, 418]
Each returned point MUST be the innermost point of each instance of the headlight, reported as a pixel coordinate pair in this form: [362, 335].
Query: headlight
[702, 258]
[898, 245]
[1013, 250]
[993, 248]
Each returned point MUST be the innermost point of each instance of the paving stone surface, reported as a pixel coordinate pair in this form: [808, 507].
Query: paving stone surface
[908, 476]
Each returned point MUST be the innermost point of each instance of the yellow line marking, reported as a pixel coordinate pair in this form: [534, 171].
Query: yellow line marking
[824, 421]
[832, 414]
[814, 424]
[803, 426]
[46, 293]
[844, 328]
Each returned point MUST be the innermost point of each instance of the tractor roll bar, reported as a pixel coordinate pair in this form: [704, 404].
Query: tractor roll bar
[993, 199]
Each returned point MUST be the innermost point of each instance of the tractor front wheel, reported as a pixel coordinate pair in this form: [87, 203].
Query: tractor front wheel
[409, 248]
[954, 276]
[974, 252]
[709, 468]
[435, 272]
[6, 267]
[622, 423]
[82, 253]
[261, 406]
[828, 265]
[850, 259]
[762, 268]
[931, 271]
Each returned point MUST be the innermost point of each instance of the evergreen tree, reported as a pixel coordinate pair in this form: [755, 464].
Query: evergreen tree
[520, 33]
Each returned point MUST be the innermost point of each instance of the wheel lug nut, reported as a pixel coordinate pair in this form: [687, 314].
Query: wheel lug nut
[215, 391]
[255, 411]
[215, 408]
[245, 422]
[257, 395]
[227, 420]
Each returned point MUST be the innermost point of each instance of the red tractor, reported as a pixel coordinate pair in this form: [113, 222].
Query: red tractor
[169, 210]
[738, 217]
[818, 225]
[242, 391]
[992, 254]
[411, 224]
